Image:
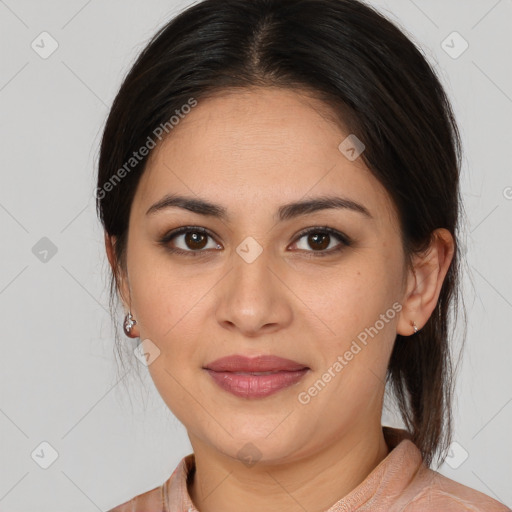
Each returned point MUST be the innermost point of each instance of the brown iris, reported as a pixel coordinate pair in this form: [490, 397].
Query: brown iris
[195, 240]
[318, 241]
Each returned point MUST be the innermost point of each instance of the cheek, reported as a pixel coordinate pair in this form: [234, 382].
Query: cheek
[355, 295]
[164, 294]
[358, 307]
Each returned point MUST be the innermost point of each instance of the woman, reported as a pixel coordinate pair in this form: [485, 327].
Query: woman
[279, 189]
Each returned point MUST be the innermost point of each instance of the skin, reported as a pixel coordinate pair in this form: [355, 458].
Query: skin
[252, 151]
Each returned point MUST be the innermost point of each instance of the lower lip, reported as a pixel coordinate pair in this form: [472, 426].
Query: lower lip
[256, 386]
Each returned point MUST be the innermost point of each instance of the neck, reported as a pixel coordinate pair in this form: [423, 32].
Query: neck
[313, 483]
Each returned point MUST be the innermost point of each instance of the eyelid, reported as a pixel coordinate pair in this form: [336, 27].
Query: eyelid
[170, 235]
[324, 229]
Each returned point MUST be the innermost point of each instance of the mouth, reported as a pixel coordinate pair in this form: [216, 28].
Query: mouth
[257, 377]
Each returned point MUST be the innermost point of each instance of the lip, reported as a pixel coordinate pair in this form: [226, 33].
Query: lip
[265, 363]
[243, 376]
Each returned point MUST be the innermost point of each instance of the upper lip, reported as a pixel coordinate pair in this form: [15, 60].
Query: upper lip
[265, 363]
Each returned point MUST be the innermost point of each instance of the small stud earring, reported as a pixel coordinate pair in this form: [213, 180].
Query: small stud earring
[415, 327]
[128, 323]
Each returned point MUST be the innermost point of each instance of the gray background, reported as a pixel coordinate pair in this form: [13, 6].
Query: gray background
[58, 380]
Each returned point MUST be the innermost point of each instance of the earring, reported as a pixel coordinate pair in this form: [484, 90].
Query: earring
[415, 327]
[128, 323]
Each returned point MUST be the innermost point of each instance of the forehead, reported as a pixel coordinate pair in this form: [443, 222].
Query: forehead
[258, 146]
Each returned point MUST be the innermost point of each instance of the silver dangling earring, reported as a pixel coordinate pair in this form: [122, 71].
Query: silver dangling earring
[415, 327]
[128, 323]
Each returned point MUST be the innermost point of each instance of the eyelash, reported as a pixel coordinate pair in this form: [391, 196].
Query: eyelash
[344, 240]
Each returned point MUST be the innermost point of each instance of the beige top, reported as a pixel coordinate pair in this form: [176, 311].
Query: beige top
[400, 482]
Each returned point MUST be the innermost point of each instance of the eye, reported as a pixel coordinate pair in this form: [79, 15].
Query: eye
[322, 241]
[193, 240]
[190, 240]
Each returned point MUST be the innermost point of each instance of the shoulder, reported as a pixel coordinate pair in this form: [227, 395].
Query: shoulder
[150, 501]
[441, 493]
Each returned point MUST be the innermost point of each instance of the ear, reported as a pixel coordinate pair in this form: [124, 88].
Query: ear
[424, 281]
[122, 283]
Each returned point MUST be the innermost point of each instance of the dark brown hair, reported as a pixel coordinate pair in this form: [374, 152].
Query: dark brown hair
[380, 86]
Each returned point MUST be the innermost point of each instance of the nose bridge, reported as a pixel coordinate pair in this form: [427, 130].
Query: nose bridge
[251, 277]
[251, 298]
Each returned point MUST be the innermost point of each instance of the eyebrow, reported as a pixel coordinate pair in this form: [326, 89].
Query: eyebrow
[285, 212]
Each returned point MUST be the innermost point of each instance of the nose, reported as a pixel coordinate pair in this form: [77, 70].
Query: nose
[253, 299]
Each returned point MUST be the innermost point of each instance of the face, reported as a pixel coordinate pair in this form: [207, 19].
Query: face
[318, 285]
